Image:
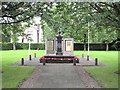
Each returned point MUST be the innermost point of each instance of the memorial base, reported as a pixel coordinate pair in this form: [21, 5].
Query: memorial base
[59, 59]
[59, 53]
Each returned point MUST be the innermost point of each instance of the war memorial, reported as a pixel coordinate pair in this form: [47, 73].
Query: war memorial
[59, 49]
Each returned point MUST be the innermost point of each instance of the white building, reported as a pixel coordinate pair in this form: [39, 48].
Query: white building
[34, 32]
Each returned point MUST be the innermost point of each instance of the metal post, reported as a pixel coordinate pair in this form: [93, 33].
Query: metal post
[96, 61]
[22, 61]
[38, 33]
[88, 57]
[34, 55]
[74, 62]
[84, 42]
[88, 38]
[44, 61]
[30, 57]
[29, 49]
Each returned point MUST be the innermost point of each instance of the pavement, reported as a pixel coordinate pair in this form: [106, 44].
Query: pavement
[36, 62]
[59, 75]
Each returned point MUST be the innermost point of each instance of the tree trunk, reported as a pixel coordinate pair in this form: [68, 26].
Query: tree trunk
[22, 40]
[107, 47]
[93, 37]
[14, 47]
[84, 47]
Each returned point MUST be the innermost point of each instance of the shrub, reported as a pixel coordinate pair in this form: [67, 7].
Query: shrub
[41, 46]
[24, 46]
[33, 46]
[6, 46]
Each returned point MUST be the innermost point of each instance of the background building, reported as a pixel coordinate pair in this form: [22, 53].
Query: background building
[34, 32]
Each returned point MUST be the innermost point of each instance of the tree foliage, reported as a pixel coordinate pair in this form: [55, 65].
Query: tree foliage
[71, 18]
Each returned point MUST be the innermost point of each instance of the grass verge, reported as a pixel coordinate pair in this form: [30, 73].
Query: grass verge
[13, 75]
[105, 75]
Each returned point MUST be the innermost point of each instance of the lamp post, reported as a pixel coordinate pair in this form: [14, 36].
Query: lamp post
[88, 40]
[29, 47]
[88, 56]
[38, 33]
[29, 37]
[84, 42]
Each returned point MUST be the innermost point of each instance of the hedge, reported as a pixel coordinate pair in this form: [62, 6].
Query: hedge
[94, 46]
[33, 46]
[6, 46]
[41, 46]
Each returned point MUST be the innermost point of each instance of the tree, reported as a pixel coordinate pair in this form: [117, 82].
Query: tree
[5, 33]
[70, 18]
[18, 12]
[108, 11]
[12, 31]
[15, 12]
[15, 33]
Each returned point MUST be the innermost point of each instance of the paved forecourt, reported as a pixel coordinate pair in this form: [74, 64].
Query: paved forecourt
[58, 75]
[55, 76]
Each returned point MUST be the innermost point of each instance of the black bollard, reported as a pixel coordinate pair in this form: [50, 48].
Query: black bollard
[74, 62]
[34, 55]
[22, 61]
[96, 61]
[82, 55]
[88, 57]
[30, 57]
[44, 61]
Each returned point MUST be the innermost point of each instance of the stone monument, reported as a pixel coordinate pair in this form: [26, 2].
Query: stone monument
[59, 49]
[59, 46]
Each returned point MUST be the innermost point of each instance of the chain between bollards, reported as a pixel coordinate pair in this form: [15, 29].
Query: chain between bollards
[22, 61]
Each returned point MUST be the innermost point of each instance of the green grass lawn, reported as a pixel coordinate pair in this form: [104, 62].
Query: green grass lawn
[13, 75]
[104, 74]
[0, 70]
